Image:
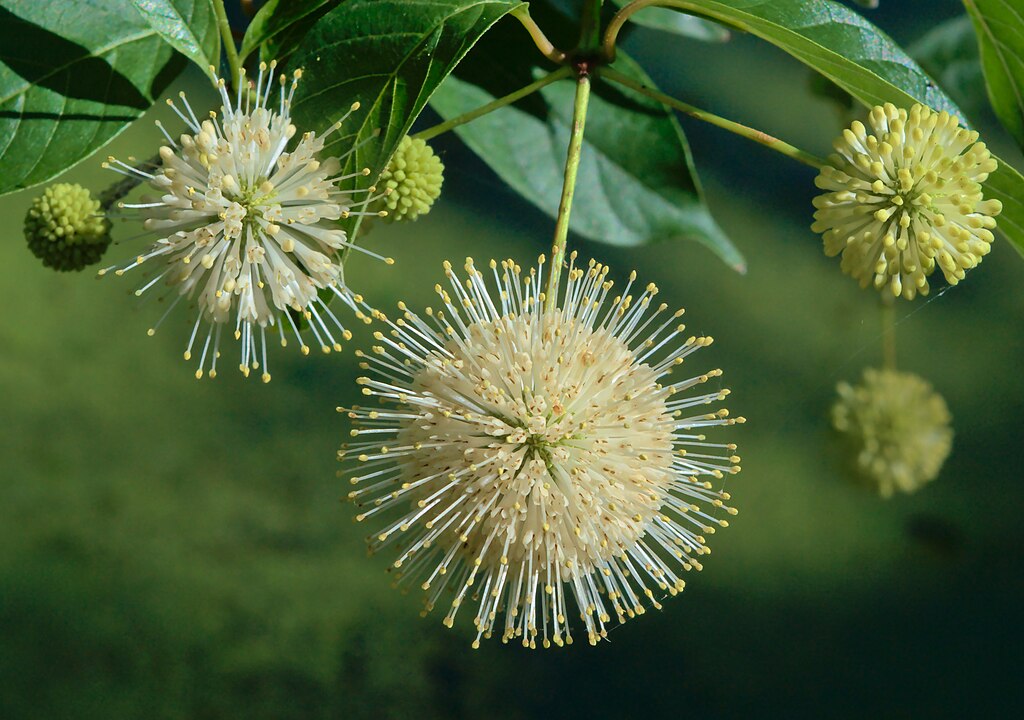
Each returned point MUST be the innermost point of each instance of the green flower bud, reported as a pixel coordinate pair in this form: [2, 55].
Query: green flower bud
[66, 229]
[899, 426]
[412, 180]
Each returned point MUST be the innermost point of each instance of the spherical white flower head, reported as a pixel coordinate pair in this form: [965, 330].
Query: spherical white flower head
[900, 428]
[247, 228]
[905, 198]
[540, 464]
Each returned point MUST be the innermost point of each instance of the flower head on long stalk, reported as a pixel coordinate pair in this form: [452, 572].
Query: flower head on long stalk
[540, 463]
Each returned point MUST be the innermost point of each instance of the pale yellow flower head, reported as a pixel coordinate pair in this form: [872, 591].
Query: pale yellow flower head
[900, 427]
[546, 467]
[904, 196]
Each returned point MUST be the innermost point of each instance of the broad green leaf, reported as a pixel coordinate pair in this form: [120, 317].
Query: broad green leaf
[636, 182]
[279, 17]
[390, 56]
[836, 42]
[949, 53]
[1000, 28]
[189, 26]
[71, 80]
[678, 23]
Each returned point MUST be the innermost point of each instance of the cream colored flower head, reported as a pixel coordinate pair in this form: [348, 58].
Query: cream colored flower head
[246, 226]
[548, 468]
[900, 428]
[903, 197]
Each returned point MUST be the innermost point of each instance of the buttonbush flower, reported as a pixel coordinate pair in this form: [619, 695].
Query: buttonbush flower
[904, 197]
[414, 178]
[899, 426]
[247, 227]
[540, 463]
[66, 229]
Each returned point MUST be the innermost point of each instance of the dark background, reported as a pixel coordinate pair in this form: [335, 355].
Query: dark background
[176, 549]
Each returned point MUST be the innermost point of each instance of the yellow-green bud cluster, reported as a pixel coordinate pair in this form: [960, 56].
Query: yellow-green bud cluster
[900, 427]
[412, 180]
[903, 197]
[65, 228]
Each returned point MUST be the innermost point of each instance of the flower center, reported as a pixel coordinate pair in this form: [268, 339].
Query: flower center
[254, 197]
[536, 441]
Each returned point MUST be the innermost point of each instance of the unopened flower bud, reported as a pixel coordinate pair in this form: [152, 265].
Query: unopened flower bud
[66, 229]
[412, 180]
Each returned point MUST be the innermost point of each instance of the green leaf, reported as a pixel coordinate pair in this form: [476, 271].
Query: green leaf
[636, 182]
[836, 42]
[949, 53]
[678, 23]
[71, 80]
[283, 16]
[1007, 185]
[390, 56]
[1000, 28]
[189, 26]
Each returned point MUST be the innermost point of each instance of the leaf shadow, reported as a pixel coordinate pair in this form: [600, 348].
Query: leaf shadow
[46, 59]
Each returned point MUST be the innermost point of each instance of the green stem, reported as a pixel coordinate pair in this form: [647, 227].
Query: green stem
[889, 333]
[572, 166]
[228, 40]
[750, 133]
[612, 32]
[501, 102]
[546, 47]
[590, 26]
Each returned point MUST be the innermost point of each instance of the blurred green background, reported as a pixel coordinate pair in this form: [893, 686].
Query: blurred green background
[177, 549]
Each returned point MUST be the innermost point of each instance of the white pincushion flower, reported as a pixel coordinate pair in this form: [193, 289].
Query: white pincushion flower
[540, 464]
[247, 228]
[906, 197]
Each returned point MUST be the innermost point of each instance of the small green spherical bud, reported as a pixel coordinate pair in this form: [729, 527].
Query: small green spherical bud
[65, 228]
[899, 426]
[412, 180]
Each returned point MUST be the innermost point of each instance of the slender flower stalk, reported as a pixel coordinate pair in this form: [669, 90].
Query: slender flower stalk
[247, 228]
[572, 166]
[615, 25]
[537, 463]
[758, 136]
[228, 40]
[546, 47]
[432, 132]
